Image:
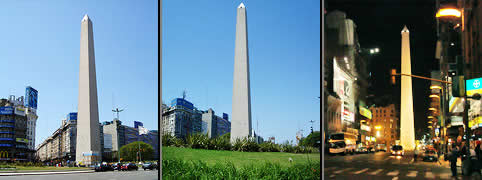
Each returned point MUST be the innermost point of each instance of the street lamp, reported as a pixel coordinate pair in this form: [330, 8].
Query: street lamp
[378, 127]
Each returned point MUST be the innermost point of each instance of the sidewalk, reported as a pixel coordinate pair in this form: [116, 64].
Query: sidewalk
[21, 173]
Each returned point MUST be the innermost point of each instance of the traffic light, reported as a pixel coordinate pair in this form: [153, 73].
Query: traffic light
[392, 76]
[458, 86]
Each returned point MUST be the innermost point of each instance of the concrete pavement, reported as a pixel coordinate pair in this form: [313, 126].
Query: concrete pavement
[382, 165]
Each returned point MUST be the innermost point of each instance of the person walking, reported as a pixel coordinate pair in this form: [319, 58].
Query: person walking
[415, 154]
[453, 156]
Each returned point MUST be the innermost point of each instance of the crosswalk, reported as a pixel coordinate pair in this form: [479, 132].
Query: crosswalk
[396, 174]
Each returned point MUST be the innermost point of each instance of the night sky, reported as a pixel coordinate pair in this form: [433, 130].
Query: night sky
[379, 24]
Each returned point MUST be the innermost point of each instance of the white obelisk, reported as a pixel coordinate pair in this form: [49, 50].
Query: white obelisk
[88, 137]
[407, 129]
[241, 118]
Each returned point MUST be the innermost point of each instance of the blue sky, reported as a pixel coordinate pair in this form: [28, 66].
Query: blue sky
[284, 54]
[40, 46]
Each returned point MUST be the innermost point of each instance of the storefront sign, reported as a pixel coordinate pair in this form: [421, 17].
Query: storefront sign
[475, 123]
[365, 112]
[20, 111]
[474, 86]
[365, 128]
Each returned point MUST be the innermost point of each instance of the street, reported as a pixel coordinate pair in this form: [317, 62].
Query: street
[381, 165]
[109, 175]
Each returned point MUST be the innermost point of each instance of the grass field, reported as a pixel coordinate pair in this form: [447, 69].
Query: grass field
[239, 159]
[186, 163]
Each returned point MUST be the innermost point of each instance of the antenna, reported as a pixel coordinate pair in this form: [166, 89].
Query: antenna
[311, 121]
[184, 94]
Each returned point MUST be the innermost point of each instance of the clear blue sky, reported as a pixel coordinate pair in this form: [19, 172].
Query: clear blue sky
[40, 46]
[284, 55]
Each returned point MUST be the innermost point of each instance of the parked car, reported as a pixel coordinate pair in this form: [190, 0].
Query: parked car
[371, 149]
[150, 166]
[381, 147]
[129, 166]
[117, 166]
[103, 167]
[430, 155]
[397, 150]
[361, 150]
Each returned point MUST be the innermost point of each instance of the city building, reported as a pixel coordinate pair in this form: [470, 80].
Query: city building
[31, 96]
[13, 131]
[119, 135]
[214, 126]
[385, 125]
[345, 77]
[181, 118]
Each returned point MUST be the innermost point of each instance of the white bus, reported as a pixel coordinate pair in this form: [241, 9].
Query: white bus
[342, 143]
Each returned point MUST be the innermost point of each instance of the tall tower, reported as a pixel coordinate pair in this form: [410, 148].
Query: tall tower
[407, 129]
[241, 118]
[88, 137]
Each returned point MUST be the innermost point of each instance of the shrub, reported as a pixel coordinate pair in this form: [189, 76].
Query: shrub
[221, 143]
[269, 147]
[245, 145]
[198, 141]
[167, 140]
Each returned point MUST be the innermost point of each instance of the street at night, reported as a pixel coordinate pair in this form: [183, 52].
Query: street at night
[381, 165]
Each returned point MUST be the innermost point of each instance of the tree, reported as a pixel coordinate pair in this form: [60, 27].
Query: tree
[129, 151]
[311, 140]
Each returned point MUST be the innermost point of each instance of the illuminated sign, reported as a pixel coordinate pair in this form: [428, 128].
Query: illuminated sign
[474, 86]
[365, 128]
[476, 122]
[365, 112]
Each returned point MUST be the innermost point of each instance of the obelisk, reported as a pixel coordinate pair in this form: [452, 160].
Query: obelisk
[88, 138]
[407, 129]
[241, 118]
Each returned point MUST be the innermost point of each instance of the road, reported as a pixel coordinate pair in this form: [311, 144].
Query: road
[109, 175]
[382, 165]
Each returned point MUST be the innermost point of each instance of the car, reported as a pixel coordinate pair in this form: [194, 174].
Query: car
[117, 166]
[397, 150]
[361, 150]
[150, 166]
[103, 167]
[371, 149]
[381, 147]
[430, 155]
[129, 166]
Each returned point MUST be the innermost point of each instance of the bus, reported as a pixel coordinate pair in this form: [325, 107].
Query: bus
[342, 143]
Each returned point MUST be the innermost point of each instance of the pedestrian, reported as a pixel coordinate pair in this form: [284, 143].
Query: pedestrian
[415, 154]
[474, 160]
[453, 156]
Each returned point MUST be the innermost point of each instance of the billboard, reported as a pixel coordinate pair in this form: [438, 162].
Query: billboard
[20, 111]
[137, 124]
[72, 116]
[31, 97]
[225, 116]
[342, 85]
[474, 86]
[365, 112]
[6, 110]
[182, 102]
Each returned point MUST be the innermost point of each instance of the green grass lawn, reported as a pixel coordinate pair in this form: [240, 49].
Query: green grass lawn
[239, 159]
